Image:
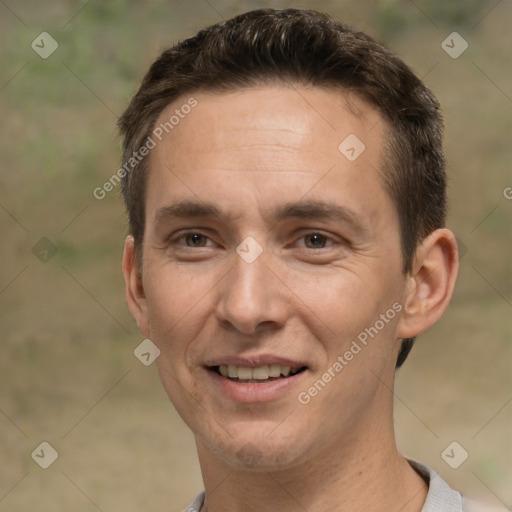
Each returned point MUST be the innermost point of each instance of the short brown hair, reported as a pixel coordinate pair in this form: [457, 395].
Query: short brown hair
[303, 47]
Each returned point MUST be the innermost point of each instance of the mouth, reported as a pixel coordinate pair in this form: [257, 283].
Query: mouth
[256, 375]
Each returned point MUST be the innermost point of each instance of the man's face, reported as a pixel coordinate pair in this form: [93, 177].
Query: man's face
[266, 247]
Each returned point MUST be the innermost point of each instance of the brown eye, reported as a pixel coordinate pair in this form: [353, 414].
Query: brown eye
[315, 241]
[195, 240]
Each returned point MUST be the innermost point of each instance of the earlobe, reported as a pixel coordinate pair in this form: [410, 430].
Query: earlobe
[134, 288]
[430, 283]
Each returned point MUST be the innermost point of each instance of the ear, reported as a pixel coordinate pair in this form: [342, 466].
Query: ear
[134, 288]
[430, 283]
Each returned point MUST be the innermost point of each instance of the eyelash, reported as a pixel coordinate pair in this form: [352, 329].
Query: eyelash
[181, 237]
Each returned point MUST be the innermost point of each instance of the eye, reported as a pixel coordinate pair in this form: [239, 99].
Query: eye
[316, 241]
[192, 239]
[195, 240]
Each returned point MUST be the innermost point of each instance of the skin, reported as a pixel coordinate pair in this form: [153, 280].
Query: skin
[306, 297]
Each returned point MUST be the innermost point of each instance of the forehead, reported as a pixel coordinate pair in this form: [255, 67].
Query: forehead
[297, 118]
[267, 142]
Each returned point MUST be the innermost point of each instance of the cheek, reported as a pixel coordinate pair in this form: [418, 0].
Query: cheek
[175, 298]
[341, 300]
[173, 283]
[350, 312]
[178, 307]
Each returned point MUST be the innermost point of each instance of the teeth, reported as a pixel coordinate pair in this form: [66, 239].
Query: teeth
[275, 370]
[244, 372]
[258, 373]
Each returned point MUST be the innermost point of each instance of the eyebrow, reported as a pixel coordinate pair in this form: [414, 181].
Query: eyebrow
[186, 209]
[308, 209]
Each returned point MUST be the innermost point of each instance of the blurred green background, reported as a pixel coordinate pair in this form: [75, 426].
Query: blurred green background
[69, 376]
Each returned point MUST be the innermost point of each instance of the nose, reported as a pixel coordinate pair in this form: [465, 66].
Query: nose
[252, 298]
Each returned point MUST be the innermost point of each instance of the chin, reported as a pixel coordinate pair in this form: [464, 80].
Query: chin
[260, 452]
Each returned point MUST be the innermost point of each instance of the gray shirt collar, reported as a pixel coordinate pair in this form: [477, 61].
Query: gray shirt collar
[441, 497]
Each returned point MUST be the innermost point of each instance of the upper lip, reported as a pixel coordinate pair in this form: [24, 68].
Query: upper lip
[254, 361]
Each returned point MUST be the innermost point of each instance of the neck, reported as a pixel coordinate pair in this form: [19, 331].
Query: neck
[361, 472]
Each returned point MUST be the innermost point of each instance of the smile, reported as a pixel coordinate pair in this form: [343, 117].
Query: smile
[258, 374]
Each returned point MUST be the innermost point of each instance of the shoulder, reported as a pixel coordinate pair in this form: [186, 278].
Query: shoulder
[442, 498]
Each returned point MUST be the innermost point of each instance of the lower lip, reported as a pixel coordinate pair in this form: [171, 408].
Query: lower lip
[248, 392]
